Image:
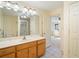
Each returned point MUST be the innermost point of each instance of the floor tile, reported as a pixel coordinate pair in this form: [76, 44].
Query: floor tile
[53, 51]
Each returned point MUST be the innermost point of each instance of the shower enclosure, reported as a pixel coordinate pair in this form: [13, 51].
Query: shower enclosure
[55, 26]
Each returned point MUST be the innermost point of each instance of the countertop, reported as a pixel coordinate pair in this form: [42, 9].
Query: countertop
[12, 41]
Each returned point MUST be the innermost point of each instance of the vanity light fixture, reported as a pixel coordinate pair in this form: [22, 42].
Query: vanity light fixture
[25, 10]
[15, 7]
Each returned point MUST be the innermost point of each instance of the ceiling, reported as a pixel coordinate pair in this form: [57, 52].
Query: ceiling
[43, 5]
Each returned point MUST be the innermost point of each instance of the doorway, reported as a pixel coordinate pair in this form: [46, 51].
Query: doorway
[55, 27]
[24, 26]
[54, 43]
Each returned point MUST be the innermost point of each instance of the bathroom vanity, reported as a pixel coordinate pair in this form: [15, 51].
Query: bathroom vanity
[30, 47]
[12, 29]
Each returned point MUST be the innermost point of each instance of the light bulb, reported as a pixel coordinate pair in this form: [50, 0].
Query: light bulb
[30, 11]
[21, 16]
[34, 12]
[8, 4]
[1, 4]
[16, 8]
[25, 10]
[24, 16]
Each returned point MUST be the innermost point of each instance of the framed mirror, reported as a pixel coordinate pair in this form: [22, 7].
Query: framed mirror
[8, 23]
[16, 22]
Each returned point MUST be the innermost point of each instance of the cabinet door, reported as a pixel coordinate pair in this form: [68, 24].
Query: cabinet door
[6, 51]
[12, 55]
[32, 52]
[41, 49]
[22, 53]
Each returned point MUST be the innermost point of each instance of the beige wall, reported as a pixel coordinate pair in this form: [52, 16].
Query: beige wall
[1, 23]
[66, 29]
[10, 25]
[1, 16]
[34, 25]
[43, 22]
[45, 19]
[58, 12]
[39, 23]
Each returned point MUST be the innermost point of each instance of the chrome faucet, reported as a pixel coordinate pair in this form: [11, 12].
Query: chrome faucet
[2, 32]
[24, 38]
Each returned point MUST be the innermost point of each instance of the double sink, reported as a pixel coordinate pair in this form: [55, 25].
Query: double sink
[6, 42]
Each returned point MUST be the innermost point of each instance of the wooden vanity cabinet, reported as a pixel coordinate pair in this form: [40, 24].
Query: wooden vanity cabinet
[7, 52]
[26, 50]
[41, 47]
[22, 50]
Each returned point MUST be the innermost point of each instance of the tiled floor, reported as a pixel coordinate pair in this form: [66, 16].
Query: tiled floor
[53, 51]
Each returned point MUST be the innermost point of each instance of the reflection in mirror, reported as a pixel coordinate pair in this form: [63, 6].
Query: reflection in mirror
[24, 26]
[18, 21]
[12, 25]
[1, 23]
[8, 23]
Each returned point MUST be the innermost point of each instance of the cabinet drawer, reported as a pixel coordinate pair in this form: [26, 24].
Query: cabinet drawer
[7, 51]
[25, 45]
[41, 41]
[12, 55]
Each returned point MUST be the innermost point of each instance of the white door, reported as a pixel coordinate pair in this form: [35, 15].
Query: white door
[74, 30]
